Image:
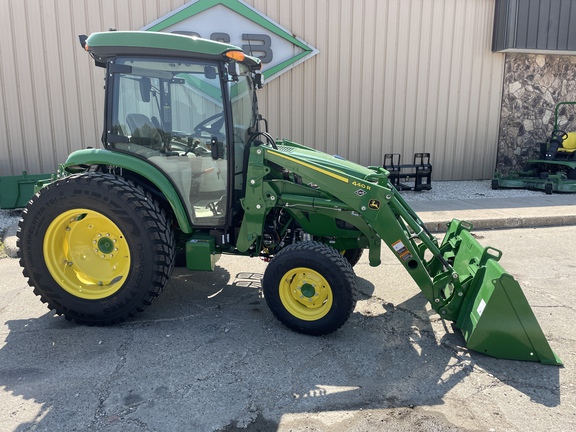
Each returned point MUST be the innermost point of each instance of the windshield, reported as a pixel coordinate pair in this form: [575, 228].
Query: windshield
[156, 100]
[243, 102]
[171, 112]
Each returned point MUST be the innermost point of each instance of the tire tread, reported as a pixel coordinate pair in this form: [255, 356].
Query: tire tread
[153, 218]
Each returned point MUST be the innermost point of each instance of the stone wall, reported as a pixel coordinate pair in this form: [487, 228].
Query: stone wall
[533, 85]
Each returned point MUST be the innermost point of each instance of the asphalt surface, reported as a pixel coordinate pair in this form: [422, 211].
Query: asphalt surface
[209, 356]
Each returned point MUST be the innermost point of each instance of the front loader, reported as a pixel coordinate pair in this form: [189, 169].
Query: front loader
[187, 173]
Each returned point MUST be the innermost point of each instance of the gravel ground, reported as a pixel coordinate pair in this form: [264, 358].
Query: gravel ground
[441, 190]
[453, 190]
[8, 218]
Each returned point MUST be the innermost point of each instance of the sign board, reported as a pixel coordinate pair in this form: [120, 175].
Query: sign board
[235, 22]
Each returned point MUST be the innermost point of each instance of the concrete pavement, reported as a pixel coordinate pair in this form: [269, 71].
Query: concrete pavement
[209, 356]
[492, 213]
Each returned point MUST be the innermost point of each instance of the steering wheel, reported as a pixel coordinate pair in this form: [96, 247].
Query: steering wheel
[211, 125]
[559, 135]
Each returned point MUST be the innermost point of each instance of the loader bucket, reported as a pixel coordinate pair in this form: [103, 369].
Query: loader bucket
[495, 317]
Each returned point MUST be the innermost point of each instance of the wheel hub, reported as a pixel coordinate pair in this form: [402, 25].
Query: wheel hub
[308, 290]
[105, 245]
[305, 293]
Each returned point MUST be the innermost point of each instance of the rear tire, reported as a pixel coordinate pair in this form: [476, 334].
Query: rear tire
[96, 248]
[309, 287]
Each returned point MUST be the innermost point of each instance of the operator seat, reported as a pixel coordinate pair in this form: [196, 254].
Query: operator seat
[569, 145]
[144, 132]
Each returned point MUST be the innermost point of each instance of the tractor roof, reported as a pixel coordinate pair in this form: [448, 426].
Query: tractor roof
[106, 45]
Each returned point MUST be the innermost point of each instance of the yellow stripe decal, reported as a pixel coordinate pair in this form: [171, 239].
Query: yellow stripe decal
[315, 168]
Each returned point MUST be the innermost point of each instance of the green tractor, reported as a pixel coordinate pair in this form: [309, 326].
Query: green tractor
[187, 173]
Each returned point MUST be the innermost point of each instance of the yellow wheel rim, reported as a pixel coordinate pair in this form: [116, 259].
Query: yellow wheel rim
[86, 254]
[305, 294]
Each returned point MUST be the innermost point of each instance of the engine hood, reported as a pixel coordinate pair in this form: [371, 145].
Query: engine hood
[321, 159]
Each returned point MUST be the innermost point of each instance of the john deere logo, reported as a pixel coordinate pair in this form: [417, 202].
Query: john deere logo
[235, 22]
[374, 204]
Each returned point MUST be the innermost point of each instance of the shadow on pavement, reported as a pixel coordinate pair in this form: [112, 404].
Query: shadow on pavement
[208, 355]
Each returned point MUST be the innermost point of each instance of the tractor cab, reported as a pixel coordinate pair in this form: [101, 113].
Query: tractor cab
[189, 111]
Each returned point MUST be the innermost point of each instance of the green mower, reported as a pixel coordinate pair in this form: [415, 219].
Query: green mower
[555, 168]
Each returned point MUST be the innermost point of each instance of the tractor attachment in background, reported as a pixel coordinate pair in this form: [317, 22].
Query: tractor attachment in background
[418, 174]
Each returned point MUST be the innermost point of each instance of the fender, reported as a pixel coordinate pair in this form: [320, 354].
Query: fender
[139, 166]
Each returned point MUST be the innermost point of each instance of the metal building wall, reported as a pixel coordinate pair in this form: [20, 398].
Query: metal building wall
[50, 92]
[391, 76]
[535, 25]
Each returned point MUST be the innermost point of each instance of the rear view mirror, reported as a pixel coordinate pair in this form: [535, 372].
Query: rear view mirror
[234, 70]
[145, 89]
[258, 80]
[209, 72]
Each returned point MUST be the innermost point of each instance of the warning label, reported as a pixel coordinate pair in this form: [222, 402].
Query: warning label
[401, 250]
[481, 307]
[399, 247]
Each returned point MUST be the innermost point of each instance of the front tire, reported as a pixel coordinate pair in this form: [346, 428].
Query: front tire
[96, 248]
[309, 287]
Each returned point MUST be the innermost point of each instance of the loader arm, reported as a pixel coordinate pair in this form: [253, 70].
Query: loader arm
[369, 202]
[460, 278]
